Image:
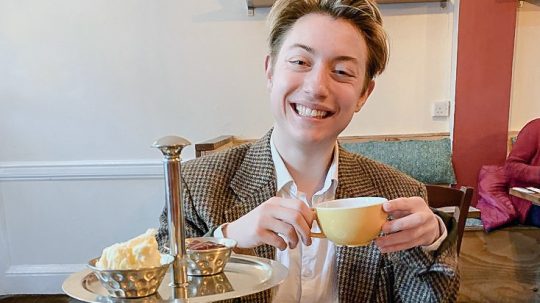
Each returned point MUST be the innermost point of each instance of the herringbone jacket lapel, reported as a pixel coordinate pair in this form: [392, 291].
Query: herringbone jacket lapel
[255, 183]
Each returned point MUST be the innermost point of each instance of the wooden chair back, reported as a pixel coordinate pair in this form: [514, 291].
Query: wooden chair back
[442, 196]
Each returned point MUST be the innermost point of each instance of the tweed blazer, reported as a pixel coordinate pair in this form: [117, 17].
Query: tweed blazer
[222, 187]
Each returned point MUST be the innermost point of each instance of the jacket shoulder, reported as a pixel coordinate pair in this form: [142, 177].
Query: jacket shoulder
[218, 166]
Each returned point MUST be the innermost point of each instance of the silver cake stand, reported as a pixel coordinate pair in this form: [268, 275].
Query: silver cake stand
[243, 275]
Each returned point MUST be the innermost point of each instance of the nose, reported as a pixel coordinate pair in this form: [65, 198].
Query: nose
[316, 82]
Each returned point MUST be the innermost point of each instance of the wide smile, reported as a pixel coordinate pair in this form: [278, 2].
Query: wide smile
[306, 112]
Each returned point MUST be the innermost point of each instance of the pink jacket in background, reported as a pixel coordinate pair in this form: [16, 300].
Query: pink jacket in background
[522, 167]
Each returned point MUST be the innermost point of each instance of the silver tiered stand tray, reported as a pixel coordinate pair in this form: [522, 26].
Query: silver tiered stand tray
[243, 275]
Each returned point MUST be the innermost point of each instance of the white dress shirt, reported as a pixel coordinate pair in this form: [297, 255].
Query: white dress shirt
[312, 276]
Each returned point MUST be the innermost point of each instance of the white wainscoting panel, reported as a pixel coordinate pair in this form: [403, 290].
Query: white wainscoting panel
[38, 279]
[4, 256]
[56, 216]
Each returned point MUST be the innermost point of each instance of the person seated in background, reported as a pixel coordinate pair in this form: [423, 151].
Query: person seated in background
[522, 169]
[324, 56]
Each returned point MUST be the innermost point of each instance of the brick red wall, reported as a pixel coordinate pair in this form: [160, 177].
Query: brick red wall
[483, 84]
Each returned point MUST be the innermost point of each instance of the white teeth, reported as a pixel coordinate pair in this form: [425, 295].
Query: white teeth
[308, 112]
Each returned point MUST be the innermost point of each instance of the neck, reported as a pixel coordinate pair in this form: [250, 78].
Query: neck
[307, 164]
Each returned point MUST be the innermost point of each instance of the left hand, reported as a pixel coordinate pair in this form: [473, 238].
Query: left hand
[413, 224]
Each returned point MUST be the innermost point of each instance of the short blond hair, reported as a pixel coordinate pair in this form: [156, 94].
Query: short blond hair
[363, 14]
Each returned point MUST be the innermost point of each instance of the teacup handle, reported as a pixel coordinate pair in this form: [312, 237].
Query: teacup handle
[319, 235]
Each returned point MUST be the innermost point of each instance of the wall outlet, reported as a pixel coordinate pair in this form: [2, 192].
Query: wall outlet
[440, 109]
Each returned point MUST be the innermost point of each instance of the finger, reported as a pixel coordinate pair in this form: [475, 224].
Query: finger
[396, 238]
[404, 240]
[297, 220]
[299, 206]
[408, 222]
[398, 214]
[399, 241]
[284, 229]
[404, 204]
[271, 238]
[420, 235]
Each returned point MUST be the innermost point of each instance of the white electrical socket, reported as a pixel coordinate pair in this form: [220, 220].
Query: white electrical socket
[440, 109]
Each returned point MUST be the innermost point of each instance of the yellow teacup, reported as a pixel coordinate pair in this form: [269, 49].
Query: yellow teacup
[352, 221]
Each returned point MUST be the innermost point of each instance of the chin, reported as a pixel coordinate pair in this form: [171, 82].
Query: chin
[313, 137]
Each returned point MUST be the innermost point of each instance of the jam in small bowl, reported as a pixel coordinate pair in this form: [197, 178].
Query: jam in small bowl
[208, 255]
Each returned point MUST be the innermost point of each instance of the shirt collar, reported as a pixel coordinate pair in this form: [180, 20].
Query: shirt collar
[283, 177]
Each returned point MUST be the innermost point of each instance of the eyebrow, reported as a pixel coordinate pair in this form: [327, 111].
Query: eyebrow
[312, 51]
[303, 46]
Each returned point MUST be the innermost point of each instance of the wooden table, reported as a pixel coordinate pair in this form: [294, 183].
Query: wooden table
[58, 298]
[533, 197]
[500, 266]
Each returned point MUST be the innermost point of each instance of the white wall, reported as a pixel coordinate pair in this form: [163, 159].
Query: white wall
[82, 77]
[86, 86]
[525, 104]
[418, 74]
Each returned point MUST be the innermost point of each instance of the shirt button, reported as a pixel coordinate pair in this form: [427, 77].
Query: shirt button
[307, 274]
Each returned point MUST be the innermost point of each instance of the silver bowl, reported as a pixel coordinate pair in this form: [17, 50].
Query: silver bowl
[132, 283]
[208, 262]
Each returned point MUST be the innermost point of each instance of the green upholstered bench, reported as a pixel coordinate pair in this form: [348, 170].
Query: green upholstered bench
[425, 157]
[428, 161]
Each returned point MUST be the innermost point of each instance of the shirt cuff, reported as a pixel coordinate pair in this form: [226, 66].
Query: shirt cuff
[218, 232]
[442, 231]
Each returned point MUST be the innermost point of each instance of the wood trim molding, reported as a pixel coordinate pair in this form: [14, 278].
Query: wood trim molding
[43, 269]
[80, 170]
[227, 141]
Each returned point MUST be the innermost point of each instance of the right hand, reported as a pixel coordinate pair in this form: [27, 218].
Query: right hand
[288, 217]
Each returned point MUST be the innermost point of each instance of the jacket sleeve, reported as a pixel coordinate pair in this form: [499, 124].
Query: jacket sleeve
[518, 166]
[427, 276]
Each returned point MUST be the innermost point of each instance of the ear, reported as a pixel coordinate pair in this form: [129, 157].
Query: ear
[268, 71]
[365, 96]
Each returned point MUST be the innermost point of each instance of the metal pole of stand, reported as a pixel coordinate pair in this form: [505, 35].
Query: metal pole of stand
[171, 147]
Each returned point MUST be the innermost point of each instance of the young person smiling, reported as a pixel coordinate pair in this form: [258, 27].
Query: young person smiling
[324, 56]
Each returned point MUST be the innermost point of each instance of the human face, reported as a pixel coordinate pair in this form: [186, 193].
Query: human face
[316, 81]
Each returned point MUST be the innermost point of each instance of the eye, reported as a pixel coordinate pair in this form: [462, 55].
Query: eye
[342, 72]
[298, 62]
